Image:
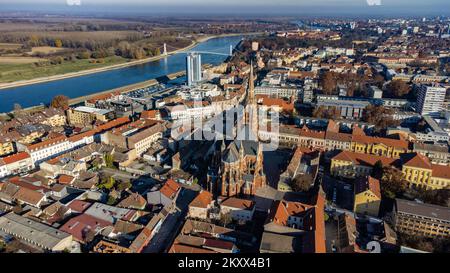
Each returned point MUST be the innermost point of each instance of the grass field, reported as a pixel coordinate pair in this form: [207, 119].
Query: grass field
[19, 60]
[10, 46]
[21, 71]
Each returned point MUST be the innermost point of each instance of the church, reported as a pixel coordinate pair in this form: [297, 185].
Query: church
[237, 167]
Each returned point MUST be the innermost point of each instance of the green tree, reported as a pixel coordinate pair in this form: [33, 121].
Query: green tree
[109, 160]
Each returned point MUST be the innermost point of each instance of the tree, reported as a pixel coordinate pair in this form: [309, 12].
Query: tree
[60, 102]
[377, 170]
[379, 116]
[392, 183]
[109, 160]
[302, 183]
[123, 186]
[225, 218]
[157, 52]
[329, 83]
[327, 113]
[58, 43]
[398, 89]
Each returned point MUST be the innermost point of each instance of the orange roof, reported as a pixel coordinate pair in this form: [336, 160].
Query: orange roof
[319, 229]
[305, 132]
[179, 248]
[149, 114]
[46, 143]
[28, 196]
[441, 171]
[386, 141]
[203, 199]
[268, 101]
[284, 209]
[170, 189]
[417, 160]
[103, 96]
[239, 203]
[65, 179]
[368, 183]
[15, 157]
[364, 159]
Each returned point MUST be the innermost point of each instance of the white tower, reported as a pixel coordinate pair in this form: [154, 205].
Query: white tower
[165, 49]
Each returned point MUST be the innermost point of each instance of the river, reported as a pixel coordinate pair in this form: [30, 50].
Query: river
[42, 93]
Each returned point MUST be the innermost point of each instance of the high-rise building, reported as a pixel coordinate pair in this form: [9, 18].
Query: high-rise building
[430, 100]
[193, 68]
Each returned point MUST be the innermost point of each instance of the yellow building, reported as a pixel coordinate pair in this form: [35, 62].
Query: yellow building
[352, 164]
[367, 196]
[421, 173]
[379, 146]
[6, 148]
[84, 116]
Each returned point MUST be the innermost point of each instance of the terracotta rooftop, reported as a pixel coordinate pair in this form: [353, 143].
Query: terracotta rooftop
[238, 203]
[203, 199]
[15, 157]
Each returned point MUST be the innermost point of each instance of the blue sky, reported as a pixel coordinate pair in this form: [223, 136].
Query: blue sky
[326, 7]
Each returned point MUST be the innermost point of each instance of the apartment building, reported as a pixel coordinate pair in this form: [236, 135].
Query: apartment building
[84, 116]
[430, 99]
[420, 219]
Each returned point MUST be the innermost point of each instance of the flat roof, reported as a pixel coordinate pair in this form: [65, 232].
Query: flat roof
[421, 209]
[92, 110]
[32, 231]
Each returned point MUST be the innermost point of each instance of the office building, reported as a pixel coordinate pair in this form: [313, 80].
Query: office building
[193, 68]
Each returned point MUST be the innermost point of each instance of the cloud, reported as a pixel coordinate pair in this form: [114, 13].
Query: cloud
[374, 2]
[73, 2]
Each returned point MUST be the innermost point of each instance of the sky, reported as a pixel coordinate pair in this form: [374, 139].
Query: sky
[279, 7]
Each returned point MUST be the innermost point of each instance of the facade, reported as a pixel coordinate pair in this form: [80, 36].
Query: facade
[367, 196]
[422, 219]
[353, 165]
[200, 206]
[85, 116]
[239, 209]
[139, 135]
[15, 164]
[193, 68]
[421, 173]
[430, 100]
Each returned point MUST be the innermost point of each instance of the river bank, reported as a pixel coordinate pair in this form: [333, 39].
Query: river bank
[194, 43]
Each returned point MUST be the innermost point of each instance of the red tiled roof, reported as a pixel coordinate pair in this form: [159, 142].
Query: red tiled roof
[82, 224]
[368, 183]
[47, 143]
[364, 159]
[203, 199]
[15, 157]
[239, 203]
[170, 189]
[418, 161]
[79, 205]
[179, 248]
[441, 171]
[397, 143]
[65, 179]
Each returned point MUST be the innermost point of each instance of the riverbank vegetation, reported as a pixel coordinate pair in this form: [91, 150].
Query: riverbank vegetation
[40, 47]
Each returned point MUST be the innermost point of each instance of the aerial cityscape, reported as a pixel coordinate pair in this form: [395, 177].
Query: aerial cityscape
[235, 128]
